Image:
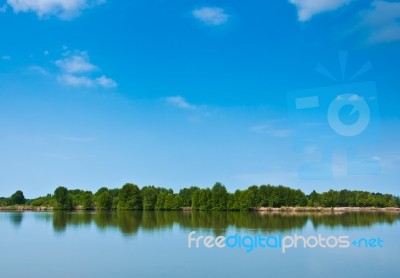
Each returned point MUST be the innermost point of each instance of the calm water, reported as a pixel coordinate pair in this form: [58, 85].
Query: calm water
[155, 244]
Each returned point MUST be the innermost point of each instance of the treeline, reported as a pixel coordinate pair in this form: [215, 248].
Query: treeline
[217, 198]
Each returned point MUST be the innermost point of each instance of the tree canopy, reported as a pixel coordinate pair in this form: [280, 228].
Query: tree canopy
[131, 197]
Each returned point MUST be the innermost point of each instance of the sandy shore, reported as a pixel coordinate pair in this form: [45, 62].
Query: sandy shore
[25, 208]
[337, 210]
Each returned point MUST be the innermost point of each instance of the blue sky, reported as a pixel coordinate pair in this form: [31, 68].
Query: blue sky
[99, 93]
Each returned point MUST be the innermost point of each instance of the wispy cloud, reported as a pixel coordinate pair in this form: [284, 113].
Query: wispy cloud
[179, 102]
[76, 63]
[39, 70]
[383, 20]
[63, 9]
[306, 9]
[270, 129]
[76, 138]
[76, 70]
[212, 16]
[5, 57]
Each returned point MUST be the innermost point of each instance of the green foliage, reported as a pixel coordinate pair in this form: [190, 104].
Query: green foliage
[205, 199]
[149, 195]
[17, 198]
[104, 200]
[46, 201]
[219, 197]
[169, 201]
[160, 203]
[129, 198]
[87, 200]
[4, 202]
[196, 199]
[187, 195]
[62, 199]
[178, 202]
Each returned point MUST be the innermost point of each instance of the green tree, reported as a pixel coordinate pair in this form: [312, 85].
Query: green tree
[149, 195]
[187, 195]
[62, 199]
[169, 201]
[196, 199]
[178, 202]
[254, 196]
[104, 200]
[87, 200]
[17, 198]
[205, 199]
[219, 197]
[160, 204]
[129, 198]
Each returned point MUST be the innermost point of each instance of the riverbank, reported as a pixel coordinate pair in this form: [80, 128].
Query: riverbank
[25, 208]
[265, 210]
[335, 210]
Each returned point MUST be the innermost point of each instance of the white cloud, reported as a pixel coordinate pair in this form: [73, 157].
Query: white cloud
[76, 70]
[211, 15]
[76, 63]
[383, 19]
[306, 9]
[84, 81]
[39, 70]
[272, 131]
[76, 81]
[179, 102]
[63, 9]
[105, 82]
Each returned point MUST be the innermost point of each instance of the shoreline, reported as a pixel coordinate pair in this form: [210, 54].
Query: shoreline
[262, 210]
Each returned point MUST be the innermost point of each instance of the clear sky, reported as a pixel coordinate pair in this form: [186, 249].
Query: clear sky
[178, 93]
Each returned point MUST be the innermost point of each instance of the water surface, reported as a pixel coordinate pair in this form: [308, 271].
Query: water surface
[154, 244]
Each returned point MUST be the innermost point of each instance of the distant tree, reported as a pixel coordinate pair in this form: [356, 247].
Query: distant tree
[160, 203]
[149, 195]
[246, 200]
[313, 199]
[219, 197]
[196, 199]
[169, 201]
[129, 197]
[4, 202]
[47, 201]
[205, 199]
[87, 200]
[17, 198]
[178, 202]
[62, 198]
[187, 195]
[104, 200]
[254, 196]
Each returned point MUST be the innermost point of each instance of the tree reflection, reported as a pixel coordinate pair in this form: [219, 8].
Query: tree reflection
[16, 218]
[130, 222]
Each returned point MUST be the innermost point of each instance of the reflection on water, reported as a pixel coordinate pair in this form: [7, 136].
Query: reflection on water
[16, 218]
[129, 222]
